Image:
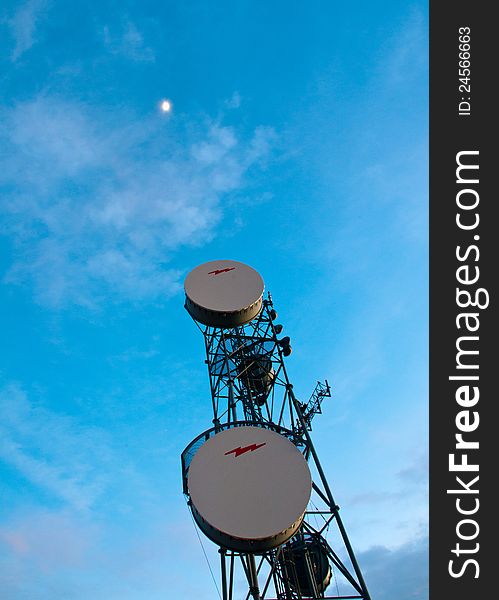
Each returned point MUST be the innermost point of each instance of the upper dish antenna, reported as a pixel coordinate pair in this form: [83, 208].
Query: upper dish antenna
[223, 293]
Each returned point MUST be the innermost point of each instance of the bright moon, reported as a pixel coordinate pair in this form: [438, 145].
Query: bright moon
[166, 105]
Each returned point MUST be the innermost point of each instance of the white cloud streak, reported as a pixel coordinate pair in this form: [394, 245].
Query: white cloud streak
[59, 554]
[127, 41]
[97, 205]
[23, 27]
[52, 451]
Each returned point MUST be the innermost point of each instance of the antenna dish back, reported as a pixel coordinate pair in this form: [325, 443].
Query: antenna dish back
[223, 293]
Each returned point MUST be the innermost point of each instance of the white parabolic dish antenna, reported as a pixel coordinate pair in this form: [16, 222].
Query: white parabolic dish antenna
[249, 488]
[223, 293]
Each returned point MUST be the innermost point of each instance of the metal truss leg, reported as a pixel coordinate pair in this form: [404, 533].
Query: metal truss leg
[254, 589]
[332, 503]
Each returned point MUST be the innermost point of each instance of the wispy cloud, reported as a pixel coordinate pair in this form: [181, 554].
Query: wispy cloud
[95, 527]
[416, 473]
[234, 101]
[51, 539]
[128, 41]
[23, 26]
[401, 573]
[98, 204]
[414, 480]
[59, 554]
[408, 53]
[52, 451]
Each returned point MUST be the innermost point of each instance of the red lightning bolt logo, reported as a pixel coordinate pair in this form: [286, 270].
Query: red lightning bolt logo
[238, 451]
[218, 271]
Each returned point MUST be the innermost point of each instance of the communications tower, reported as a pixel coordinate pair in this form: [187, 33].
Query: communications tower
[253, 481]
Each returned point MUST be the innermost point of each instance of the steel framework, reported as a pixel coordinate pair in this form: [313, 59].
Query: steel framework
[250, 386]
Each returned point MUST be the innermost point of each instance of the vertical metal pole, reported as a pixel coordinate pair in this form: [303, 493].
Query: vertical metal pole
[224, 573]
[232, 403]
[310, 574]
[329, 495]
[286, 577]
[231, 577]
[255, 591]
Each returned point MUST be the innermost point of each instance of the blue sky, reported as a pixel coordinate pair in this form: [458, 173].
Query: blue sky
[297, 143]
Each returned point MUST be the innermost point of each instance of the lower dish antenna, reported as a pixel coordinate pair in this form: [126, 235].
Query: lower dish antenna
[249, 488]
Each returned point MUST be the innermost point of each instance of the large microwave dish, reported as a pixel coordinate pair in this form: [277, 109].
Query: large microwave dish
[249, 488]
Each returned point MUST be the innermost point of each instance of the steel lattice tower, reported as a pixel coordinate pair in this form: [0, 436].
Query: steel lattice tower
[250, 387]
